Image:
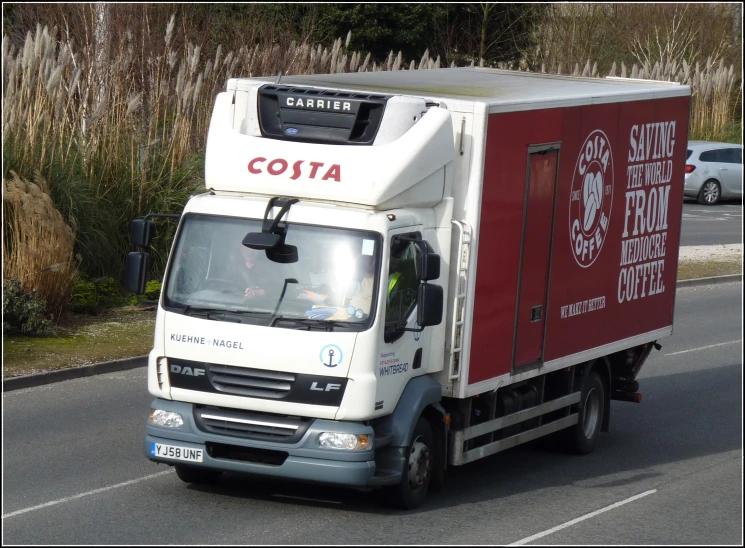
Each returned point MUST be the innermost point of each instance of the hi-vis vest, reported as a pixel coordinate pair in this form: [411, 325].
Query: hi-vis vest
[392, 281]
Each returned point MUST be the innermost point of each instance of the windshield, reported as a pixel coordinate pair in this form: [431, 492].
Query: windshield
[334, 279]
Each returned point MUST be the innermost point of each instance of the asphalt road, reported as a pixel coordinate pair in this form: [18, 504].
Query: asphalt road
[71, 448]
[710, 225]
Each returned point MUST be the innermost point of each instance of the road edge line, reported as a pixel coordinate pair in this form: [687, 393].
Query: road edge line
[86, 494]
[581, 518]
[48, 377]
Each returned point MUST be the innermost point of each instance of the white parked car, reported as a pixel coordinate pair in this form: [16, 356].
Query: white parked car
[713, 171]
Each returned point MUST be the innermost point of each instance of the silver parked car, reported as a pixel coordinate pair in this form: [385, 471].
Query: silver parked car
[713, 171]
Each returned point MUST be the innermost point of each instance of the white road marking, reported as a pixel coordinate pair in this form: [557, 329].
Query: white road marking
[81, 495]
[707, 219]
[582, 518]
[703, 347]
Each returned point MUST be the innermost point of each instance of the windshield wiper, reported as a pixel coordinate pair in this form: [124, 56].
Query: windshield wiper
[302, 321]
[219, 314]
[190, 310]
[324, 325]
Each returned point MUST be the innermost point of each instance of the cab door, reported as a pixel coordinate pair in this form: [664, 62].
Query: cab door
[400, 356]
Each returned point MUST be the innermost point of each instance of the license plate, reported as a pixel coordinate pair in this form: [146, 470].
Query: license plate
[176, 453]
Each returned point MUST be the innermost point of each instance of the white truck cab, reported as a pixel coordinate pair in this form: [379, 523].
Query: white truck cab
[304, 289]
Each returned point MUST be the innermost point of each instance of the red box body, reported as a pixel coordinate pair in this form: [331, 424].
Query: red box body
[614, 284]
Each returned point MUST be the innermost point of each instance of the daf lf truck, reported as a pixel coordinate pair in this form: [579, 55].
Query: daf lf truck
[393, 273]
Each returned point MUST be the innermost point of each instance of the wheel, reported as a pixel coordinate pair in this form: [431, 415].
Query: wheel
[412, 490]
[582, 436]
[710, 193]
[191, 474]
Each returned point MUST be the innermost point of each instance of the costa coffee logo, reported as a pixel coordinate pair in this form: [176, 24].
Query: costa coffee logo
[591, 198]
[280, 166]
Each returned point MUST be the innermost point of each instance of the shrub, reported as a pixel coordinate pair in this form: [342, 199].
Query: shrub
[108, 292]
[84, 297]
[23, 310]
[152, 290]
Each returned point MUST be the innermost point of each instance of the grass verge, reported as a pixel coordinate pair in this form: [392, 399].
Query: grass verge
[119, 333]
[705, 269]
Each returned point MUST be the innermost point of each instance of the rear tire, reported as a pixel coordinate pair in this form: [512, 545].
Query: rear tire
[581, 438]
[417, 476]
[710, 192]
[191, 474]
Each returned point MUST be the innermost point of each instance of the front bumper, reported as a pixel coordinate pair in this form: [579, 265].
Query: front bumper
[305, 460]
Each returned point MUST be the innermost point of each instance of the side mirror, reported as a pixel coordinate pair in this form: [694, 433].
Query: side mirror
[141, 232]
[429, 304]
[429, 267]
[135, 272]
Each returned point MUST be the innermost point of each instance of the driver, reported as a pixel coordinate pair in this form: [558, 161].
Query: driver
[251, 276]
[361, 294]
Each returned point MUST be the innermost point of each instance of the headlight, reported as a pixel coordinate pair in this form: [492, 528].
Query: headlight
[170, 419]
[335, 440]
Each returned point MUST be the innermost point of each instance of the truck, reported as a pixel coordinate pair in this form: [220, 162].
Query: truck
[393, 273]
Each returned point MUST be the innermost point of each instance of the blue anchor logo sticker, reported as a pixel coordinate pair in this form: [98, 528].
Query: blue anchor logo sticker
[331, 355]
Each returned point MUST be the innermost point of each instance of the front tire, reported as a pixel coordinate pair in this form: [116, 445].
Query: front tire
[710, 193]
[417, 476]
[192, 474]
[582, 437]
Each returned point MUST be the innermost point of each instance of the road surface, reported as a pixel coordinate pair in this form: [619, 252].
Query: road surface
[669, 472]
[710, 225]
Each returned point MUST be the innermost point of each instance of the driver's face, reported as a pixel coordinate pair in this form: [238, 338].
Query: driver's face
[250, 256]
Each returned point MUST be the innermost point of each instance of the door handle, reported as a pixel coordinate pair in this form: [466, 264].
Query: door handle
[723, 169]
[536, 313]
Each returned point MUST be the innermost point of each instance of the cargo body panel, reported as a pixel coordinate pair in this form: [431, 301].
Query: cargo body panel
[613, 245]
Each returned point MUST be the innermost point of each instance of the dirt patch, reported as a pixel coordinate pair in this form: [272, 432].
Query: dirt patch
[700, 253]
[82, 340]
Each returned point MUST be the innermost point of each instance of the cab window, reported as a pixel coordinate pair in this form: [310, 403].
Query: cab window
[403, 279]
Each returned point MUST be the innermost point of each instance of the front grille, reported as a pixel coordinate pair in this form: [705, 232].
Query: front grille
[250, 425]
[244, 381]
[246, 454]
[255, 383]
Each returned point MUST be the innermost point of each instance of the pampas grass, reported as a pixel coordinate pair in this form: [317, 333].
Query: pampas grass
[121, 138]
[37, 242]
[124, 137]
